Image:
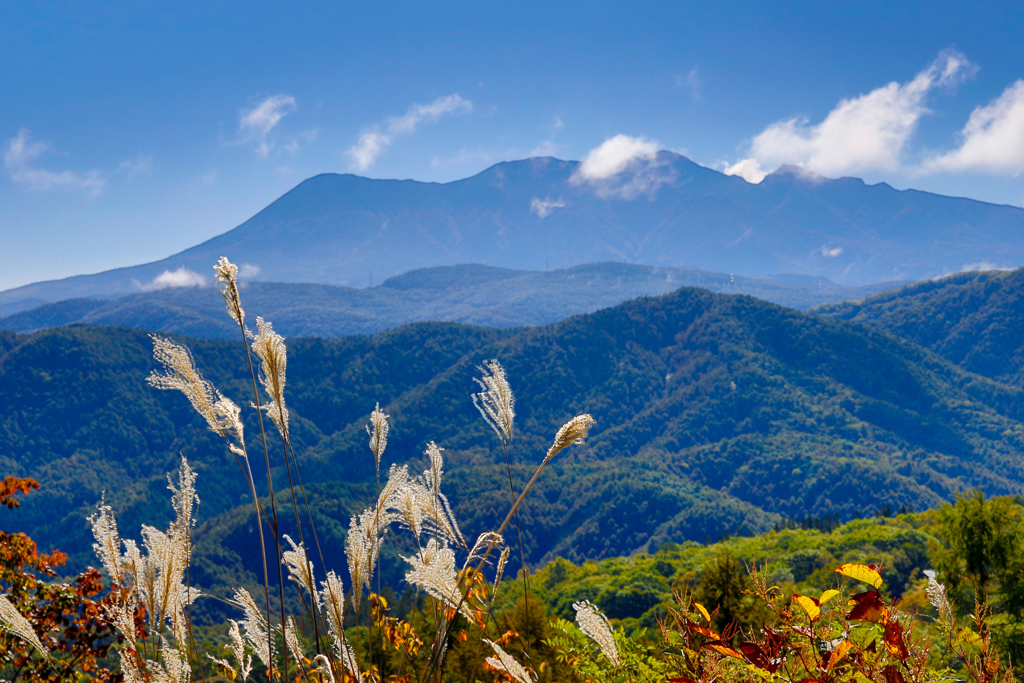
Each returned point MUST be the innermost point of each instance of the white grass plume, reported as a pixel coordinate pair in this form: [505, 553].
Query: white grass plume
[495, 401]
[227, 275]
[572, 432]
[300, 569]
[378, 434]
[323, 667]
[596, 626]
[237, 648]
[270, 348]
[255, 627]
[433, 571]
[291, 639]
[180, 374]
[937, 596]
[332, 600]
[108, 542]
[503, 661]
[14, 622]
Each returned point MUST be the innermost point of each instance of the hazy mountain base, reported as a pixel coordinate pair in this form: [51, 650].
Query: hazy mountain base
[715, 413]
[975, 320]
[471, 294]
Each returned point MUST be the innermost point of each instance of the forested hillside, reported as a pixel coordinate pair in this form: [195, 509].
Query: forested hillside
[715, 414]
[975, 320]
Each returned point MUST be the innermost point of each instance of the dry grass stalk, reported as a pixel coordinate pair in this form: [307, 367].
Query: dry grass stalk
[14, 622]
[155, 580]
[597, 628]
[269, 347]
[227, 275]
[378, 434]
[495, 401]
[503, 661]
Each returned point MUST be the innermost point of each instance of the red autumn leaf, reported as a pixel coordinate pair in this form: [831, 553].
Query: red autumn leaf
[869, 607]
[755, 655]
[892, 674]
[681, 679]
[893, 638]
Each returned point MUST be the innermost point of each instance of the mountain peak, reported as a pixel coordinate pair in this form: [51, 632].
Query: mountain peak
[792, 172]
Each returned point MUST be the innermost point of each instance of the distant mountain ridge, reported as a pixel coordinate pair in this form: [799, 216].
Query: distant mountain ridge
[538, 214]
[471, 294]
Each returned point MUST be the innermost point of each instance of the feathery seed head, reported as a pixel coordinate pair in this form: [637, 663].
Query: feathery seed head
[433, 475]
[434, 572]
[937, 596]
[379, 433]
[108, 543]
[360, 549]
[323, 665]
[572, 432]
[595, 625]
[495, 401]
[332, 600]
[291, 639]
[503, 661]
[14, 622]
[300, 568]
[180, 374]
[227, 275]
[255, 626]
[269, 347]
[238, 650]
[174, 668]
[500, 570]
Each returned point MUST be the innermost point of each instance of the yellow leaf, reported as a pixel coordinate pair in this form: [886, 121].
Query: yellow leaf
[838, 653]
[808, 605]
[967, 636]
[703, 611]
[722, 648]
[827, 595]
[862, 573]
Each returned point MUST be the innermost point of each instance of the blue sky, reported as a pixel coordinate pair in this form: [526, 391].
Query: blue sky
[133, 130]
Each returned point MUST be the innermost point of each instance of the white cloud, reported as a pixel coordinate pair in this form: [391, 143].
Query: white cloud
[247, 270]
[139, 167]
[20, 159]
[691, 81]
[832, 252]
[372, 143]
[544, 207]
[370, 146]
[169, 279]
[993, 138]
[748, 169]
[982, 266]
[256, 124]
[863, 133]
[623, 166]
[615, 155]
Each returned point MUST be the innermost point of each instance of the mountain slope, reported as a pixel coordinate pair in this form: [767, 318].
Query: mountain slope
[471, 294]
[975, 320]
[538, 213]
[714, 413]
